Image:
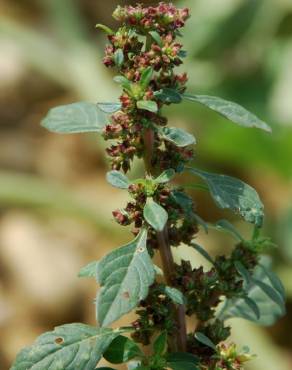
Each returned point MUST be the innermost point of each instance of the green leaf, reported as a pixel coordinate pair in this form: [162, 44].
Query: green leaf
[168, 95]
[182, 361]
[231, 193]
[253, 306]
[175, 295]
[243, 271]
[224, 225]
[155, 215]
[109, 107]
[72, 346]
[166, 176]
[183, 200]
[271, 306]
[160, 343]
[202, 338]
[117, 179]
[119, 57]
[203, 252]
[105, 368]
[124, 82]
[75, 118]
[149, 105]
[156, 37]
[125, 276]
[104, 28]
[122, 349]
[177, 136]
[146, 77]
[232, 111]
[89, 270]
[201, 222]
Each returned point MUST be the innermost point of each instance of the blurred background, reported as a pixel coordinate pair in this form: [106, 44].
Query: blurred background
[55, 206]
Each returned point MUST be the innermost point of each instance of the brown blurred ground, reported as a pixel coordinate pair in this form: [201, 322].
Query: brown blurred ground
[55, 206]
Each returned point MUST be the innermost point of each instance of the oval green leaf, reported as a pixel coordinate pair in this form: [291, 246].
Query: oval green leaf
[232, 111]
[121, 350]
[117, 179]
[177, 136]
[155, 215]
[72, 346]
[175, 295]
[168, 95]
[149, 105]
[109, 108]
[202, 338]
[166, 176]
[231, 193]
[75, 118]
[125, 276]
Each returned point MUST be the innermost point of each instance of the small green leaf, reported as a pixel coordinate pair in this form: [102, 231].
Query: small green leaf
[109, 107]
[117, 179]
[234, 194]
[124, 82]
[243, 271]
[202, 338]
[156, 37]
[253, 306]
[89, 270]
[104, 28]
[183, 200]
[165, 177]
[75, 118]
[125, 276]
[155, 215]
[177, 136]
[105, 368]
[232, 111]
[148, 105]
[175, 295]
[168, 95]
[146, 77]
[203, 252]
[182, 361]
[119, 57]
[160, 343]
[71, 346]
[225, 225]
[122, 349]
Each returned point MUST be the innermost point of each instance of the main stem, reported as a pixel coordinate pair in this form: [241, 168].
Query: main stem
[178, 343]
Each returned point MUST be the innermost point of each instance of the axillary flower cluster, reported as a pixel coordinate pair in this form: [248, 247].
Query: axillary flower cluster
[145, 50]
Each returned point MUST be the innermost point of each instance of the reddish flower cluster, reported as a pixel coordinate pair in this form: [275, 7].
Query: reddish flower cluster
[182, 225]
[164, 17]
[161, 52]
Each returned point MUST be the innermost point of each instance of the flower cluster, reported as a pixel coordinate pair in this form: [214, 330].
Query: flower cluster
[228, 358]
[164, 17]
[182, 225]
[145, 68]
[204, 290]
[154, 314]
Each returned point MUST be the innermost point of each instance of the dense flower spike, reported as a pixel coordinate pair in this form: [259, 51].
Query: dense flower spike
[145, 68]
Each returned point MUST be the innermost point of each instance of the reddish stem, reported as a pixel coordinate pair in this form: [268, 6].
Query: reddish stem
[179, 340]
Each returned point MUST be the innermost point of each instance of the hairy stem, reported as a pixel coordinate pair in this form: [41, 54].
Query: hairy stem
[179, 341]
